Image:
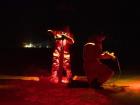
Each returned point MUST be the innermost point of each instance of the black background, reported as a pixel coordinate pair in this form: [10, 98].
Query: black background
[23, 20]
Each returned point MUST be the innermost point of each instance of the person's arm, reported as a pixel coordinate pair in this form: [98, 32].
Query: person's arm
[69, 37]
[62, 35]
[107, 55]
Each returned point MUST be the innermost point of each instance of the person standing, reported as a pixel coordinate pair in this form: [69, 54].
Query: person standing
[61, 55]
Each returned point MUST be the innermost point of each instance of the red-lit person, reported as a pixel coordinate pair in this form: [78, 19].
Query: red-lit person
[61, 56]
[97, 73]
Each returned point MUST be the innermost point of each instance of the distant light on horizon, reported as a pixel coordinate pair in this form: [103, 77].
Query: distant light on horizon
[29, 45]
[37, 45]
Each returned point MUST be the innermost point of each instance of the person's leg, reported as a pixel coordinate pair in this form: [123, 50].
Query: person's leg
[105, 73]
[97, 74]
[67, 67]
[92, 76]
[55, 68]
[90, 72]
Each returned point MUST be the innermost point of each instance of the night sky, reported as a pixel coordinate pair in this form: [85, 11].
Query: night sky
[23, 20]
